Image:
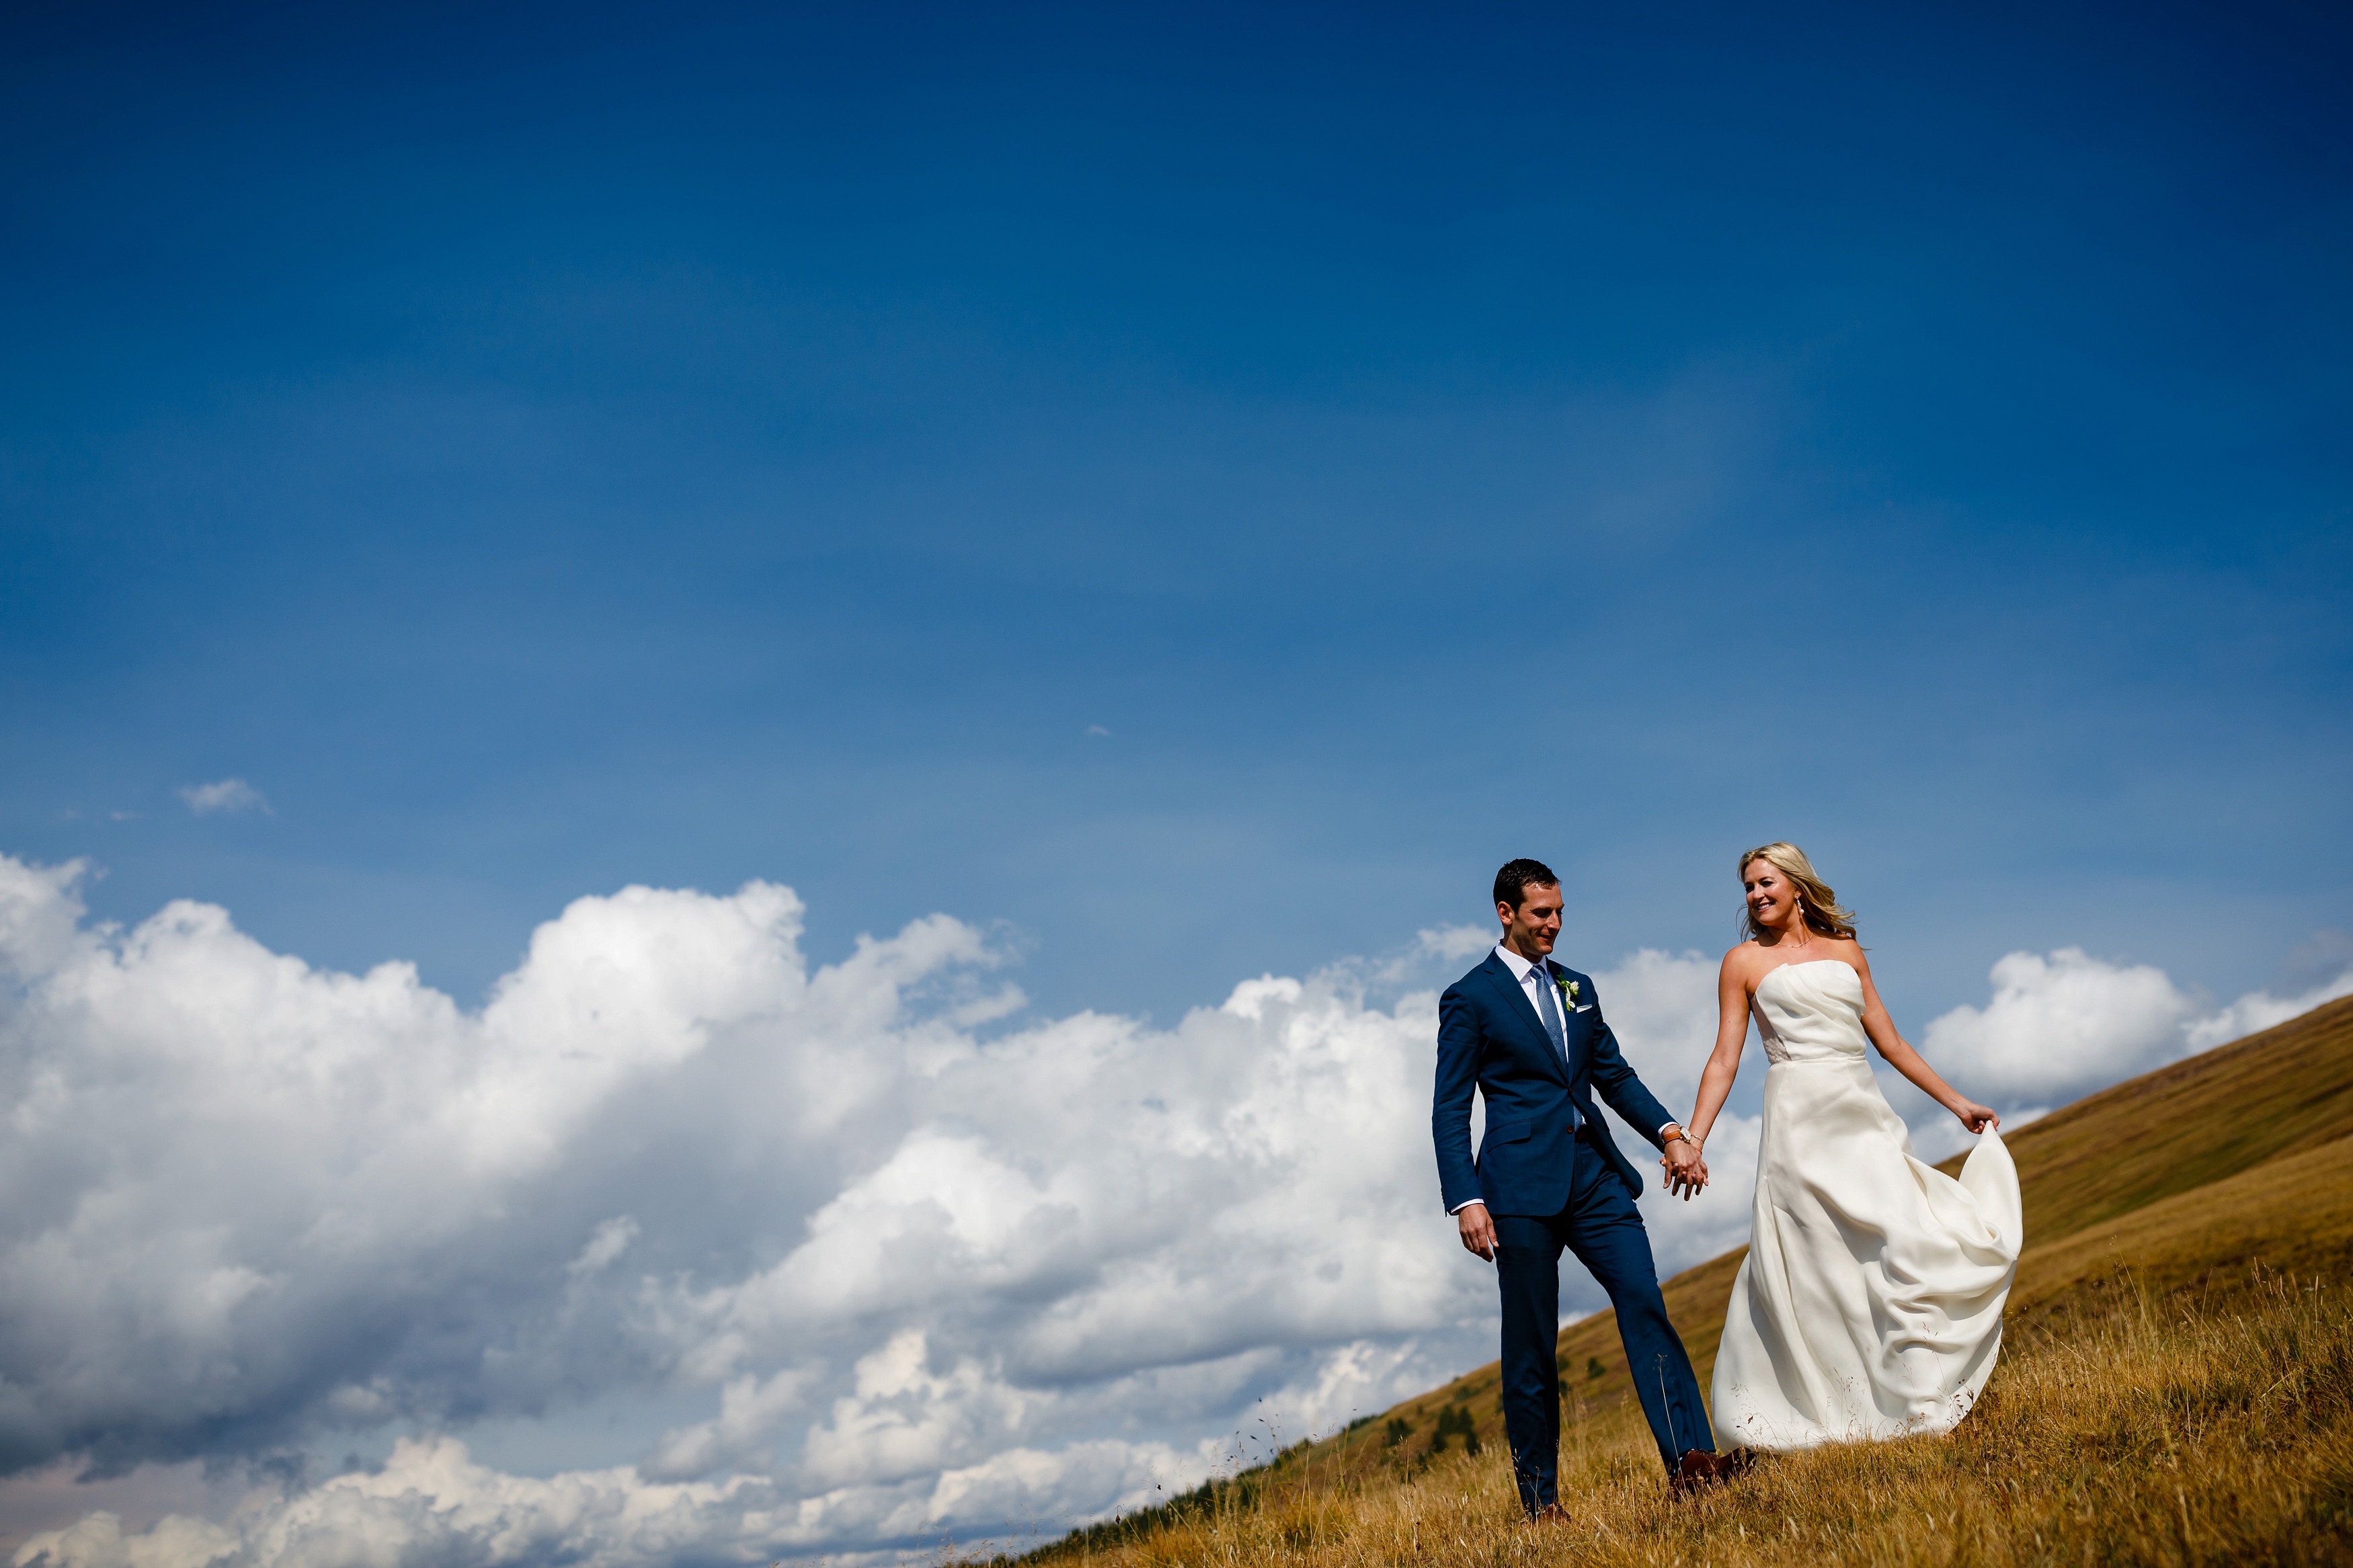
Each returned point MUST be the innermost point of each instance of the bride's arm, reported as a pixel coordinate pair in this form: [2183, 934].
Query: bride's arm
[1731, 1037]
[1910, 1063]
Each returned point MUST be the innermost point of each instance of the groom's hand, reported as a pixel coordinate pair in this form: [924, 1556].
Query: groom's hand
[1478, 1230]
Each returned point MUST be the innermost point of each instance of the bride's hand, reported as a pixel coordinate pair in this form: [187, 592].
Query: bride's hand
[1976, 1118]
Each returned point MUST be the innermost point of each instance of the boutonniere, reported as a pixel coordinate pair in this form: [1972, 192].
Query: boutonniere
[1567, 988]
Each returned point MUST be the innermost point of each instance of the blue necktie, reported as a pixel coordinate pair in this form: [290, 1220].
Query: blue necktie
[1549, 1012]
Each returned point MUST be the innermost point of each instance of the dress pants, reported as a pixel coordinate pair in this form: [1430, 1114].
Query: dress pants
[1604, 1229]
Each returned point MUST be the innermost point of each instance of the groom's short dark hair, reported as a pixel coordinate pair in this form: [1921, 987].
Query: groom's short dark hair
[1512, 881]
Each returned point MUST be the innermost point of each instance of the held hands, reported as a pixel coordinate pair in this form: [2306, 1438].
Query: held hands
[1686, 1173]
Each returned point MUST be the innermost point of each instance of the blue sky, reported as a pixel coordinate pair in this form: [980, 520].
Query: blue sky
[1184, 492]
[542, 451]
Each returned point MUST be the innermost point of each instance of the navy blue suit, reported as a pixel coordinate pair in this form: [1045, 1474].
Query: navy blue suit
[1552, 1177]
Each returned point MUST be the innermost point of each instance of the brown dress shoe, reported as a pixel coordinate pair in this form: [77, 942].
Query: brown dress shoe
[1551, 1513]
[1702, 1468]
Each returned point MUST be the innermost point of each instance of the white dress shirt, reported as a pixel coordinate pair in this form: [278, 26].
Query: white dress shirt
[1532, 977]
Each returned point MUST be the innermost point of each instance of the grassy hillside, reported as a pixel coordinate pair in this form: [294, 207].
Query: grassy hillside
[2176, 1381]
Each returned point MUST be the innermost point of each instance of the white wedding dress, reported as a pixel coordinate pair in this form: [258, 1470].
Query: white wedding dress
[1869, 1303]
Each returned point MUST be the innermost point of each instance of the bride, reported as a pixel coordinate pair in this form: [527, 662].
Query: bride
[1869, 1303]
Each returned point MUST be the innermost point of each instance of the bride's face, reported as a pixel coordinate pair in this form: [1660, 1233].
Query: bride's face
[1770, 898]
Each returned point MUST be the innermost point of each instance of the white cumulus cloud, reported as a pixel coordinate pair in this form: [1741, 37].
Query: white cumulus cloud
[912, 1273]
[2062, 1023]
[2059, 1024]
[2261, 1010]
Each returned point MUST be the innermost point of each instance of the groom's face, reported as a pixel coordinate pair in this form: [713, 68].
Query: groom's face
[1531, 929]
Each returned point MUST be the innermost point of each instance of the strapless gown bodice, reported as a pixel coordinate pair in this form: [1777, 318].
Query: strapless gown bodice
[1811, 1013]
[1869, 1303]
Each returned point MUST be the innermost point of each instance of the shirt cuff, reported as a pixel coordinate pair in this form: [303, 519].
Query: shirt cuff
[1465, 1203]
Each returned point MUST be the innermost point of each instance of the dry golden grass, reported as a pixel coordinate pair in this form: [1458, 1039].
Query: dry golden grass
[2164, 1430]
[2176, 1382]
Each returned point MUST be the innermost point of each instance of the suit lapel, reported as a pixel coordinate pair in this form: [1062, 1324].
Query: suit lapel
[1569, 1033]
[1500, 974]
[1569, 1040]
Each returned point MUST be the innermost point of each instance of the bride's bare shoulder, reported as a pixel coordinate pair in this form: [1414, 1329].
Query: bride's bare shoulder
[1846, 951]
[1744, 959]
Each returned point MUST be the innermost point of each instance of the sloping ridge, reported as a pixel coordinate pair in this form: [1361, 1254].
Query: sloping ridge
[2237, 1156]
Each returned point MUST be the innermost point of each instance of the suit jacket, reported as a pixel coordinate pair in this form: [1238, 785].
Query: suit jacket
[1489, 1039]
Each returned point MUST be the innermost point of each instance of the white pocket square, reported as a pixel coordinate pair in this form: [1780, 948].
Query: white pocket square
[1587, 1008]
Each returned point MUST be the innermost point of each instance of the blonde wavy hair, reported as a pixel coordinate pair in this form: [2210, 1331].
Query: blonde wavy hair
[1824, 914]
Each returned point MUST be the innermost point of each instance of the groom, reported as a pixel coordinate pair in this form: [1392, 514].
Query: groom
[1528, 1034]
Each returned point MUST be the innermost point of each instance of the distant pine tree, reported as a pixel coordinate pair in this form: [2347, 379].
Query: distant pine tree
[1451, 1420]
